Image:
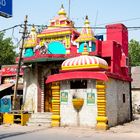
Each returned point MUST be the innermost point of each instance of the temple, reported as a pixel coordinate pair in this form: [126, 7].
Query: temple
[75, 77]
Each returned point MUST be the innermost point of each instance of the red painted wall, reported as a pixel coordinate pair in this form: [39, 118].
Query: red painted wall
[115, 49]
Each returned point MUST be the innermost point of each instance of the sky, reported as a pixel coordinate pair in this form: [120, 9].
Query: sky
[100, 13]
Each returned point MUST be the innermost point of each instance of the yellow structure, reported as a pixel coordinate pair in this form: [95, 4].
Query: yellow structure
[86, 33]
[15, 118]
[101, 106]
[78, 103]
[31, 41]
[55, 104]
[60, 29]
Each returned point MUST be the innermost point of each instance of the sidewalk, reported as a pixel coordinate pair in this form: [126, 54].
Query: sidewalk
[14, 130]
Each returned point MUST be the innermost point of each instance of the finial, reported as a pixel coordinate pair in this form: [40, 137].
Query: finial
[33, 28]
[62, 11]
[62, 6]
[86, 17]
[85, 51]
[87, 21]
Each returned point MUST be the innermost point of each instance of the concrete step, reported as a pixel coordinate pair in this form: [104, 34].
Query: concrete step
[41, 115]
[39, 124]
[40, 119]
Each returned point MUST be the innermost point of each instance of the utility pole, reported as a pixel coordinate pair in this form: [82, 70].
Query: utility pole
[69, 8]
[19, 63]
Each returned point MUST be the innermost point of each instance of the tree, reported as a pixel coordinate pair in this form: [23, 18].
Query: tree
[7, 53]
[134, 52]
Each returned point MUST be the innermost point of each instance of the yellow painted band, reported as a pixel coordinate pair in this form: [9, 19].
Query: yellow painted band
[54, 34]
[55, 117]
[84, 66]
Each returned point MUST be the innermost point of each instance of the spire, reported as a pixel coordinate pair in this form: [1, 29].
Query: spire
[85, 51]
[31, 41]
[33, 29]
[62, 11]
[87, 21]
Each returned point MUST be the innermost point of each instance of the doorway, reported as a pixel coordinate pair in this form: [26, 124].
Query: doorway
[48, 98]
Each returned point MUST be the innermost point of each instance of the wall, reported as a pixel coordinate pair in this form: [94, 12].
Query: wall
[135, 100]
[88, 112]
[30, 90]
[117, 111]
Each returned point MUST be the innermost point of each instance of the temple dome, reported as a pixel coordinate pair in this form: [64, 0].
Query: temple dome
[84, 62]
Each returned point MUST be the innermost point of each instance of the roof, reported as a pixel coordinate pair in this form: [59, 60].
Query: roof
[31, 41]
[86, 33]
[77, 75]
[5, 86]
[84, 62]
[136, 77]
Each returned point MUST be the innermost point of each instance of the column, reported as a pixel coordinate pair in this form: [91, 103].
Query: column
[55, 104]
[42, 92]
[101, 106]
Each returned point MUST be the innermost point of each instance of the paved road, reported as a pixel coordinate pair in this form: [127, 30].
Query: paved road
[129, 131]
[70, 134]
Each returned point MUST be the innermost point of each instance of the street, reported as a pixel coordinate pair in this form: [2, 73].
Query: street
[130, 131]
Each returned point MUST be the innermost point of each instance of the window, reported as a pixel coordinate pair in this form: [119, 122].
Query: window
[54, 71]
[78, 84]
[123, 98]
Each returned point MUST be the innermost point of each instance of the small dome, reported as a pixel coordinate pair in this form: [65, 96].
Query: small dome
[84, 62]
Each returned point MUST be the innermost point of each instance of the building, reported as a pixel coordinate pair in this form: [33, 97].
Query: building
[81, 80]
[7, 82]
[136, 89]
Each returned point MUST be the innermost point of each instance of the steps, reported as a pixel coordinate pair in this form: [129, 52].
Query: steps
[40, 119]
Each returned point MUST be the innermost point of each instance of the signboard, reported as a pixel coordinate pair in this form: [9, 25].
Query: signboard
[10, 70]
[6, 8]
[64, 97]
[90, 98]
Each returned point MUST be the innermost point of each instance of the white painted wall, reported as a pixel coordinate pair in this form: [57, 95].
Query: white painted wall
[117, 111]
[30, 90]
[88, 113]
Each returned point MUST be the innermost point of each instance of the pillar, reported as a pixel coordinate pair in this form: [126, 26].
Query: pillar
[42, 92]
[101, 106]
[55, 104]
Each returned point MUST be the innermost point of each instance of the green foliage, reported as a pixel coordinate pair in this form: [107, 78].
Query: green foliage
[7, 53]
[134, 52]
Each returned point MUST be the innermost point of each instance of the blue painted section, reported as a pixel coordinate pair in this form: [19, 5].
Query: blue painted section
[93, 48]
[6, 8]
[81, 47]
[56, 48]
[5, 104]
[99, 37]
[28, 52]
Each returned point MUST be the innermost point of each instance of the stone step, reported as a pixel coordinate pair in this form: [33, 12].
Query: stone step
[41, 115]
[42, 120]
[39, 124]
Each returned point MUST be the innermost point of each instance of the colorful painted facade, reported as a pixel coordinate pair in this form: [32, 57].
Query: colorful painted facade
[81, 80]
